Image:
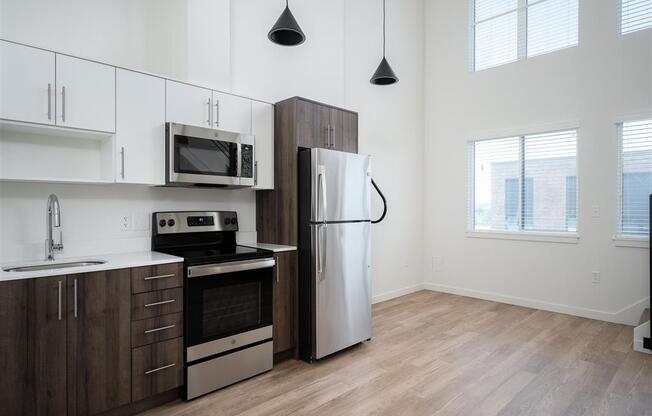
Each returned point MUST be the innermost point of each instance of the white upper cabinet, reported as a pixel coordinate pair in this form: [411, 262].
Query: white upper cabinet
[140, 128]
[231, 113]
[263, 130]
[26, 84]
[85, 94]
[187, 104]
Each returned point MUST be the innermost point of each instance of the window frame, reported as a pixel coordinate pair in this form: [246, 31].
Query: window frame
[565, 237]
[521, 33]
[621, 239]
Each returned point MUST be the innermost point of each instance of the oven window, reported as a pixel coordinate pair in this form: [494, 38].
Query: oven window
[227, 308]
[223, 305]
[205, 157]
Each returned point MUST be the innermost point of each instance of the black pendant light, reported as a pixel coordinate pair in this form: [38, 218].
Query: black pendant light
[384, 74]
[286, 30]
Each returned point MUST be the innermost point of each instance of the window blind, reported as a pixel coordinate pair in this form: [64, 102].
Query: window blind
[635, 177]
[524, 183]
[508, 30]
[635, 15]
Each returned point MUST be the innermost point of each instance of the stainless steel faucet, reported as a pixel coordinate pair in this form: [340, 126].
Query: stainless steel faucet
[54, 220]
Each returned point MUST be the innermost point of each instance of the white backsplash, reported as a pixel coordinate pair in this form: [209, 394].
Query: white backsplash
[91, 216]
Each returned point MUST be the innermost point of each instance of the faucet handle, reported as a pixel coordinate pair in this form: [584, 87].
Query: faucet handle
[59, 246]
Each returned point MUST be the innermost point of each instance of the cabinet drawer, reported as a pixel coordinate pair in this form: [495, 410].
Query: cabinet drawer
[156, 368]
[151, 304]
[164, 276]
[149, 331]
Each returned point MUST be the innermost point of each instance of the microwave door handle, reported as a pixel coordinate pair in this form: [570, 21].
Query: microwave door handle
[239, 161]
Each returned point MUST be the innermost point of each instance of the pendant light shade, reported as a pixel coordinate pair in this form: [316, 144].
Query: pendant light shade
[286, 30]
[384, 74]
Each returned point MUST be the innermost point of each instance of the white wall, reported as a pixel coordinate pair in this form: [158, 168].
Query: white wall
[605, 77]
[224, 44]
[91, 215]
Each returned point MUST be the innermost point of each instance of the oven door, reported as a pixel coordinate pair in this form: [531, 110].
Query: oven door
[197, 155]
[228, 306]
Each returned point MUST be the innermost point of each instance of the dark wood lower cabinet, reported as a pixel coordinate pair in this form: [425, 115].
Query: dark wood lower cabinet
[66, 344]
[157, 368]
[99, 341]
[33, 347]
[285, 307]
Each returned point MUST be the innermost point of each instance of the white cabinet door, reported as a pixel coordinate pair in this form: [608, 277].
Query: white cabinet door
[140, 128]
[85, 94]
[231, 113]
[26, 84]
[263, 130]
[187, 104]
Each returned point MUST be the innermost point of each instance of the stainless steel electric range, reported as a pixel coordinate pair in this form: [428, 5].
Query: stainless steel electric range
[228, 298]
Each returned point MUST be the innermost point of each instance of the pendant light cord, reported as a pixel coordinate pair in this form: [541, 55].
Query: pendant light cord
[384, 18]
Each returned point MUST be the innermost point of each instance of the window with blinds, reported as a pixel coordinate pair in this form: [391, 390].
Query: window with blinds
[635, 177]
[508, 30]
[635, 15]
[524, 183]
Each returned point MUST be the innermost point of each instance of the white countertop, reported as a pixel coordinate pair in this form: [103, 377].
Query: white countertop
[276, 248]
[113, 261]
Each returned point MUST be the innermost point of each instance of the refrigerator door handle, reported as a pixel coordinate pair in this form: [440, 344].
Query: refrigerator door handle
[321, 203]
[320, 259]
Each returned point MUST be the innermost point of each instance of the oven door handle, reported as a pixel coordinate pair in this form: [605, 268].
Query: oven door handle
[230, 267]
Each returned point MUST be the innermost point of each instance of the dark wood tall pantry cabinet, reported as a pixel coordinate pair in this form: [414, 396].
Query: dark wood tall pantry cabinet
[298, 122]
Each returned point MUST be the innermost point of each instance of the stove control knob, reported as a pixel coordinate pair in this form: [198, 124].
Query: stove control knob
[161, 223]
[171, 223]
[227, 221]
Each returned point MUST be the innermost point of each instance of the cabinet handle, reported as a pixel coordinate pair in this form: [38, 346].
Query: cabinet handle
[159, 369]
[217, 113]
[332, 135]
[63, 103]
[256, 173]
[164, 302]
[75, 293]
[163, 276]
[163, 328]
[122, 162]
[208, 103]
[60, 295]
[328, 137]
[49, 101]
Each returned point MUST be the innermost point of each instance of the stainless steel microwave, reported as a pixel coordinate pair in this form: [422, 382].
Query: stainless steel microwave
[200, 156]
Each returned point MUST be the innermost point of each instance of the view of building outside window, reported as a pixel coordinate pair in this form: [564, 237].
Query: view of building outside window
[526, 183]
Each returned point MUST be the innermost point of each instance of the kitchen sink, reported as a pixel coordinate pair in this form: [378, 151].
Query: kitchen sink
[53, 266]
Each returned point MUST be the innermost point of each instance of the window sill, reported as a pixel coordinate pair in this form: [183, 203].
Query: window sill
[631, 241]
[542, 237]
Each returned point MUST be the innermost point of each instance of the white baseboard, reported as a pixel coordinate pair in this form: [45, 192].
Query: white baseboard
[628, 315]
[396, 293]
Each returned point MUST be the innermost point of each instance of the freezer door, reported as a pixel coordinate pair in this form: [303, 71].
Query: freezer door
[341, 186]
[342, 286]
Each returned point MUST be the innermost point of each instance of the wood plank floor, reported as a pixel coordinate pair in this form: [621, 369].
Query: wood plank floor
[440, 354]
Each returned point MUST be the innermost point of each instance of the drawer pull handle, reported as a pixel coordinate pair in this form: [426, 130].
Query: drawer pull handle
[163, 328]
[159, 369]
[164, 302]
[163, 276]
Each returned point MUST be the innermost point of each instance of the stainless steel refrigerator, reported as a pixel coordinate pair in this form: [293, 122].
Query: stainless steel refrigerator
[334, 251]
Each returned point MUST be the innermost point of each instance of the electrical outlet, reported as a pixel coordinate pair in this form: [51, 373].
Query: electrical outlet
[595, 211]
[436, 264]
[125, 222]
[595, 278]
